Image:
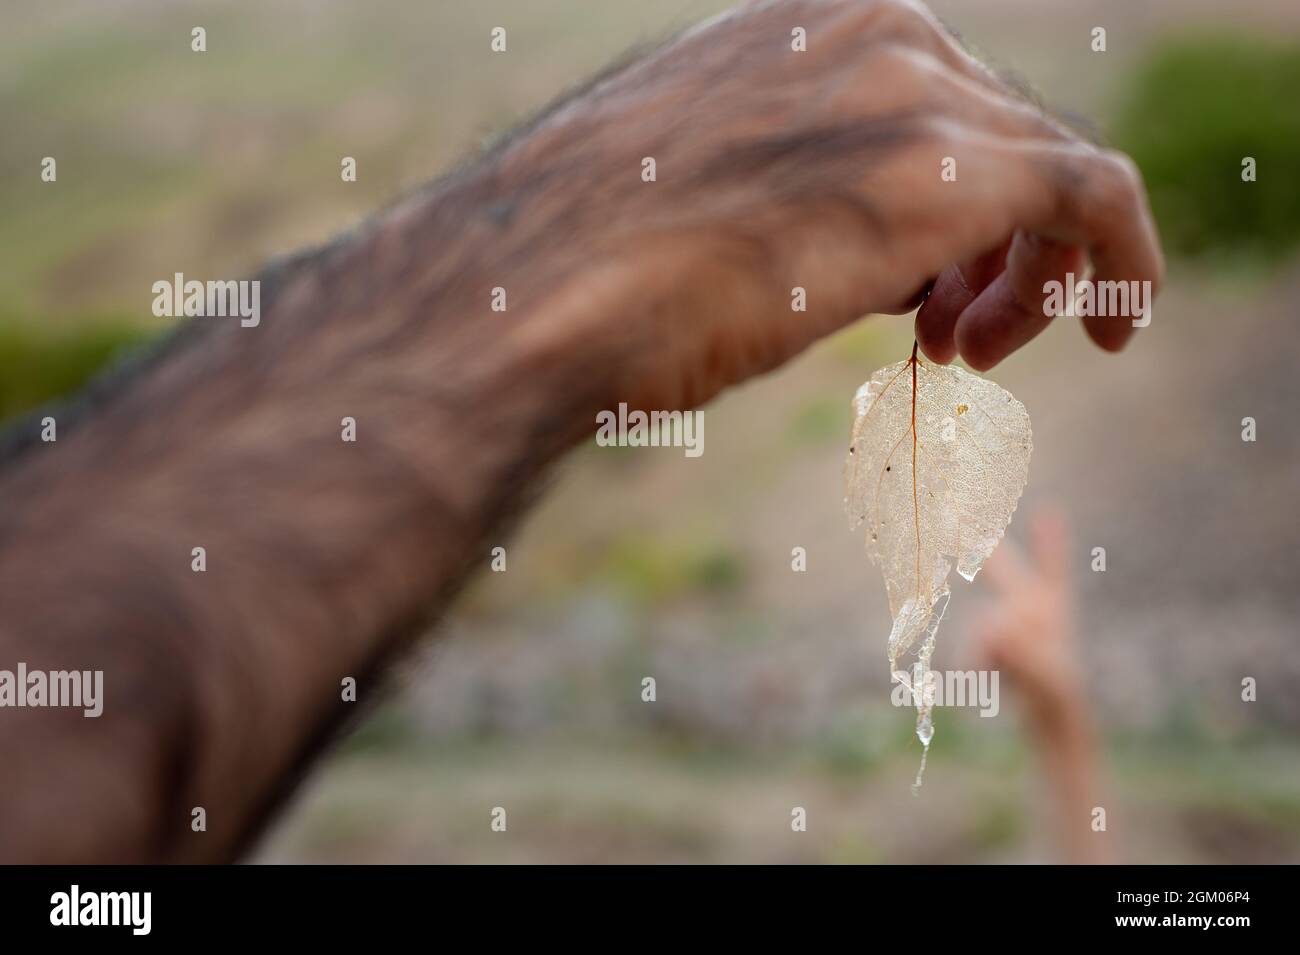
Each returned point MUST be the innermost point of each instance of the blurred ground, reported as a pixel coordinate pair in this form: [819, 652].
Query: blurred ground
[772, 689]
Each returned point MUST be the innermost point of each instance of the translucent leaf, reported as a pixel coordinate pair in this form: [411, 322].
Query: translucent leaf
[936, 464]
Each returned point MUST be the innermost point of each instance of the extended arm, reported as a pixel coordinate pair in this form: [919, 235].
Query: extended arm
[774, 169]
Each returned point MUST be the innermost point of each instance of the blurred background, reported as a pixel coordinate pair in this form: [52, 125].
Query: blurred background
[772, 690]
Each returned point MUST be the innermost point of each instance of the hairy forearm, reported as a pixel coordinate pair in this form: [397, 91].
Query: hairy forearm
[651, 233]
[322, 556]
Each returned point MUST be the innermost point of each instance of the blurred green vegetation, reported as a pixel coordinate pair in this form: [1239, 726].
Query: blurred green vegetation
[820, 421]
[39, 363]
[1197, 107]
[672, 800]
[652, 570]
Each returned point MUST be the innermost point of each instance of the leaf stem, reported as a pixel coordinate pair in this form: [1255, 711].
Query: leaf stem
[916, 502]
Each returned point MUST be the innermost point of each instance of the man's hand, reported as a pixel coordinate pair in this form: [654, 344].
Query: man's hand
[774, 169]
[820, 169]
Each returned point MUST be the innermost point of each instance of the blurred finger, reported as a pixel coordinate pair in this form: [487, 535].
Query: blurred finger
[1006, 569]
[985, 627]
[1050, 541]
[1095, 199]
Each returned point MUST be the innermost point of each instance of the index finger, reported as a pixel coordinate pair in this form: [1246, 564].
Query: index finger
[1096, 199]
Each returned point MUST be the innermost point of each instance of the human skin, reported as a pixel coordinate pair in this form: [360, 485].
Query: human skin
[775, 169]
[1027, 633]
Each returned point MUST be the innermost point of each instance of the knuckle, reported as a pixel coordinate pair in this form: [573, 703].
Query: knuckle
[1101, 184]
[939, 129]
[910, 66]
[1067, 171]
[1124, 181]
[1033, 119]
[895, 62]
[907, 20]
